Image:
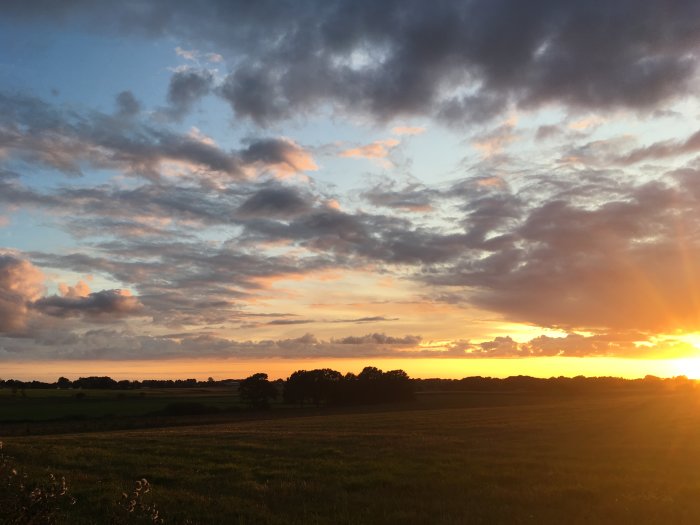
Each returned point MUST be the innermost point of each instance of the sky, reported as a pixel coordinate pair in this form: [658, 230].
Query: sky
[454, 188]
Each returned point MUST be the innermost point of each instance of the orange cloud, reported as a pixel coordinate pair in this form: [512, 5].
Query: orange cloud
[81, 289]
[377, 150]
[407, 130]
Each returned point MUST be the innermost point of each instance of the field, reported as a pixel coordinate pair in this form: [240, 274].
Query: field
[45, 404]
[448, 459]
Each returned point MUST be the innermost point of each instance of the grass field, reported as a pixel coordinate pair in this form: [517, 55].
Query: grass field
[498, 459]
[49, 404]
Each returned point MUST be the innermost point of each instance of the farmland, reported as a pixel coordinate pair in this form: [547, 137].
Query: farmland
[447, 458]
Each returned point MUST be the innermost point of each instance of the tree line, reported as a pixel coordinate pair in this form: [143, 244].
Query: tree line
[327, 387]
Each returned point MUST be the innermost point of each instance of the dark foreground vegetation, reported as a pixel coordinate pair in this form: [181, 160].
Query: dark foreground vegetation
[507, 458]
[477, 450]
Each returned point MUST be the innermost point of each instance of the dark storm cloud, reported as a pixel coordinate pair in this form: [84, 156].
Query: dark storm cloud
[456, 60]
[186, 88]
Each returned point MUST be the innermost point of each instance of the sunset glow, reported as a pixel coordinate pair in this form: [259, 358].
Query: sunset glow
[205, 192]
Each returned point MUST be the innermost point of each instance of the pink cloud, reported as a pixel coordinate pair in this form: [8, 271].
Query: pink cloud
[20, 284]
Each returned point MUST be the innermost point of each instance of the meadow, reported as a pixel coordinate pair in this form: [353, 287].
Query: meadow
[448, 458]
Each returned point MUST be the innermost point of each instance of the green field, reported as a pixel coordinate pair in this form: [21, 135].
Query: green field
[457, 458]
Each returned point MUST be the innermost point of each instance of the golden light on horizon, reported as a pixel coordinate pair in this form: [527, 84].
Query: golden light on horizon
[423, 367]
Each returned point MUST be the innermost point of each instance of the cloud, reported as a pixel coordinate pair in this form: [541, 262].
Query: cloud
[121, 343]
[626, 345]
[127, 105]
[188, 283]
[81, 289]
[548, 131]
[586, 123]
[35, 132]
[407, 130]
[371, 319]
[275, 202]
[285, 322]
[193, 55]
[108, 304]
[381, 339]
[187, 54]
[116, 344]
[458, 61]
[186, 88]
[619, 264]
[414, 197]
[377, 150]
[594, 252]
[38, 133]
[20, 284]
[662, 149]
[496, 140]
[281, 156]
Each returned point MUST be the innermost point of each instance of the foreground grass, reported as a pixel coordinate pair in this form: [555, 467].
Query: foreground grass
[596, 460]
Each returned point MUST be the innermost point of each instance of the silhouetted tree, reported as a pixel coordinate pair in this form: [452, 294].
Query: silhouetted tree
[63, 382]
[318, 386]
[326, 386]
[397, 386]
[95, 382]
[256, 391]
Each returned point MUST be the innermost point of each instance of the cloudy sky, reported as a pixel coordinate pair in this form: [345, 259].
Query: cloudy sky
[453, 187]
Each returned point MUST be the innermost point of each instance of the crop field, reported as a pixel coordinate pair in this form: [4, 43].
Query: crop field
[451, 459]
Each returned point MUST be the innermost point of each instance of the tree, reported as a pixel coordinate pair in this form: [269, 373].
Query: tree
[318, 386]
[63, 382]
[256, 391]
